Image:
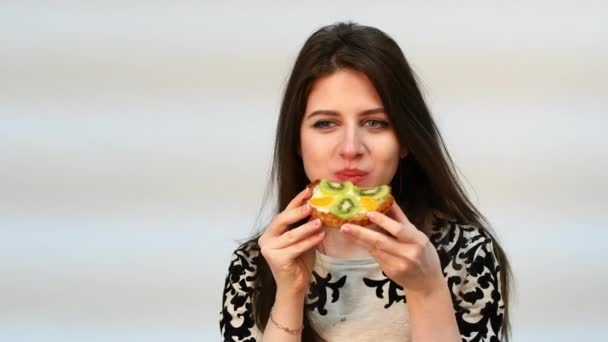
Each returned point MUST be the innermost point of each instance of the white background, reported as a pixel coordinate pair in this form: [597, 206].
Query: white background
[136, 136]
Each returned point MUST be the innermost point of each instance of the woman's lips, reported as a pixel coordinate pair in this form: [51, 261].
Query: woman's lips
[353, 177]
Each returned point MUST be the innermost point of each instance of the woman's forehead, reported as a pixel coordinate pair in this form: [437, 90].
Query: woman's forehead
[344, 90]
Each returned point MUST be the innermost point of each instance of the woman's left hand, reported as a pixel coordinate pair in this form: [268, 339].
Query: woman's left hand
[405, 254]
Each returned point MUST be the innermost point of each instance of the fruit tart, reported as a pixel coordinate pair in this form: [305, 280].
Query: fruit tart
[337, 203]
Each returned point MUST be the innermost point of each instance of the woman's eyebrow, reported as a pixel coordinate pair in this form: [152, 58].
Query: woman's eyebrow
[336, 113]
[372, 111]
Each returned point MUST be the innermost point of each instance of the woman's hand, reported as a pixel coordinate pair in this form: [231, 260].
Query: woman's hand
[405, 254]
[289, 252]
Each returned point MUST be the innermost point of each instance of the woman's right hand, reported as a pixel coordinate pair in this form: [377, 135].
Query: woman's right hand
[289, 252]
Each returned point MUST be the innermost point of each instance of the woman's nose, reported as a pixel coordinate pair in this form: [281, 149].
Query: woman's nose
[351, 146]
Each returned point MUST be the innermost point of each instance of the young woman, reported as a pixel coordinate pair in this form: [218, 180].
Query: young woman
[427, 270]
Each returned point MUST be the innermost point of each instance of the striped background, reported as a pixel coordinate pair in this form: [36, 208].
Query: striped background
[127, 128]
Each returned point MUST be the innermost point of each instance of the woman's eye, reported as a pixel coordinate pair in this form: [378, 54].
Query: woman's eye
[377, 123]
[323, 124]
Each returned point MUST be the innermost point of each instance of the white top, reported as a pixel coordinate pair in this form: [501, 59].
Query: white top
[351, 298]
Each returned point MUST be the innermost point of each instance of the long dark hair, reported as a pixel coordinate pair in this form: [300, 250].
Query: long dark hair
[425, 180]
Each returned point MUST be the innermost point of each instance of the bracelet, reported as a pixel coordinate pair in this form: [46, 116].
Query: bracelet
[285, 329]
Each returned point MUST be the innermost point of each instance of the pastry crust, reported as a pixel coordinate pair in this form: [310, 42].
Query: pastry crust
[335, 221]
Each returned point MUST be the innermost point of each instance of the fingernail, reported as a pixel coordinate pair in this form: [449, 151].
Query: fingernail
[346, 228]
[316, 222]
[370, 214]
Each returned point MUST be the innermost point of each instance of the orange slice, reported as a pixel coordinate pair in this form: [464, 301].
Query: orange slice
[369, 203]
[321, 201]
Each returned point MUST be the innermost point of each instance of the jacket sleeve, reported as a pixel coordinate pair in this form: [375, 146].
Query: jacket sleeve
[236, 317]
[476, 294]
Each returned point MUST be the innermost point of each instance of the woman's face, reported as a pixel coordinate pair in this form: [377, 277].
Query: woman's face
[345, 133]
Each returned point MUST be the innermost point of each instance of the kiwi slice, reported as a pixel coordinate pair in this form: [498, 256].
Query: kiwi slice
[334, 188]
[376, 192]
[345, 206]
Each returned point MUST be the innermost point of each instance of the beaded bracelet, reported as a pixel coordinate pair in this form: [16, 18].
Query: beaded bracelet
[285, 329]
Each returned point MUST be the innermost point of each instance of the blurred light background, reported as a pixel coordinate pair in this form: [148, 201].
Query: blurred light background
[136, 136]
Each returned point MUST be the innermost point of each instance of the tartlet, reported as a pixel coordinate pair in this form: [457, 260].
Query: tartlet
[337, 203]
